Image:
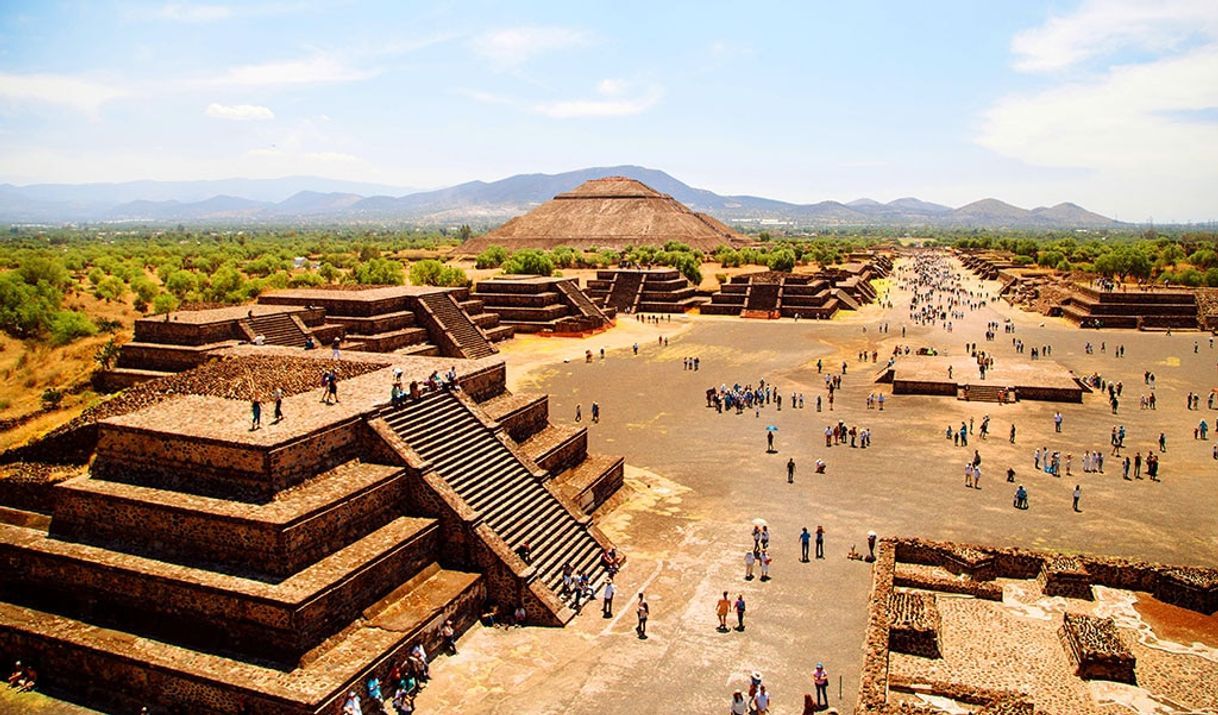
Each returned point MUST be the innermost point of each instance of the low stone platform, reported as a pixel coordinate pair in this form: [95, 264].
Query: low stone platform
[1097, 649]
[914, 620]
[1024, 380]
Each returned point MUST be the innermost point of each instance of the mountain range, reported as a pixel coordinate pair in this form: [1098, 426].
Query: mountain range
[312, 200]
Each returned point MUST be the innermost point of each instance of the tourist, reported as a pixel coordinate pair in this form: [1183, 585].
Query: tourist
[449, 636]
[352, 705]
[596, 412]
[761, 701]
[805, 540]
[750, 558]
[722, 608]
[820, 678]
[765, 565]
[820, 542]
[769, 441]
[256, 412]
[871, 537]
[403, 702]
[740, 608]
[520, 616]
[642, 610]
[739, 706]
[334, 348]
[607, 594]
[1021, 497]
[579, 413]
[1057, 422]
[1078, 492]
[791, 470]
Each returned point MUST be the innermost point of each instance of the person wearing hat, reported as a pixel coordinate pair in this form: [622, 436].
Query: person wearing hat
[820, 678]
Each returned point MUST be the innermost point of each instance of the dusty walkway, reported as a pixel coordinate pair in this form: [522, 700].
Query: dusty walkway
[701, 477]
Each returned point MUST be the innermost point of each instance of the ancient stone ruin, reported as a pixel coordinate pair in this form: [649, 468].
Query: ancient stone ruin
[199, 566]
[644, 290]
[391, 319]
[537, 304]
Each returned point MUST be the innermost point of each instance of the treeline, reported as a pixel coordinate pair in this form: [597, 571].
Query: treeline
[159, 271]
[1187, 259]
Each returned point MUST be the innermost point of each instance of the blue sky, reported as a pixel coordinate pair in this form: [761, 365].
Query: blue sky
[1113, 105]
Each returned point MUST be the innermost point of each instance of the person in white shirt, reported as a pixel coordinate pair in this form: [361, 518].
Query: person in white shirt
[610, 589]
[739, 706]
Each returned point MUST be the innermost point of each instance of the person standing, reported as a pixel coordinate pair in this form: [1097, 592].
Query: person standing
[804, 541]
[278, 404]
[1078, 492]
[610, 589]
[791, 472]
[579, 415]
[820, 542]
[449, 636]
[820, 678]
[256, 414]
[739, 705]
[750, 559]
[642, 611]
[721, 610]
[596, 413]
[740, 608]
[761, 701]
[769, 441]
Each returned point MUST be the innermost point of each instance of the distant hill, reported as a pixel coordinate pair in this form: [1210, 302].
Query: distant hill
[481, 203]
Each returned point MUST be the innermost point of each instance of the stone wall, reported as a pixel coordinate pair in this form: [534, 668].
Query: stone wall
[177, 606]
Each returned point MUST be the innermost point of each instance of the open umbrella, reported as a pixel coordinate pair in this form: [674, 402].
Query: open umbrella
[759, 522]
[771, 428]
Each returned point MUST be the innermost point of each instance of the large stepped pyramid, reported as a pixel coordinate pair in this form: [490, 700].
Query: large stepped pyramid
[198, 566]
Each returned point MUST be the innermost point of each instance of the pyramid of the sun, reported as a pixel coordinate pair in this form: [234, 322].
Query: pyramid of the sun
[613, 212]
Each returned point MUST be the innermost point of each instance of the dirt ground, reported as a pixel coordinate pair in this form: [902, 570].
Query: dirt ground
[697, 479]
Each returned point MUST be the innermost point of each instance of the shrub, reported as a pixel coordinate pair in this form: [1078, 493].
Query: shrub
[68, 325]
[180, 283]
[164, 303]
[782, 260]
[26, 310]
[106, 354]
[145, 289]
[492, 257]
[529, 262]
[434, 273]
[110, 288]
[379, 271]
[51, 398]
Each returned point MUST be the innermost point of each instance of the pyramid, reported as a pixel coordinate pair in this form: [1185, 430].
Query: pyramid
[613, 212]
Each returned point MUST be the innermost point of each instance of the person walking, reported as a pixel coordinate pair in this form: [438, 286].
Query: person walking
[579, 414]
[449, 636]
[791, 470]
[596, 413]
[739, 705]
[642, 610]
[256, 414]
[740, 608]
[804, 540]
[721, 610]
[769, 442]
[820, 678]
[1078, 492]
[278, 404]
[750, 559]
[820, 542]
[761, 701]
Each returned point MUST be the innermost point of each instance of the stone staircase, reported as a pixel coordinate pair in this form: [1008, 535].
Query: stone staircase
[984, 393]
[488, 476]
[762, 297]
[468, 340]
[581, 302]
[625, 292]
[277, 329]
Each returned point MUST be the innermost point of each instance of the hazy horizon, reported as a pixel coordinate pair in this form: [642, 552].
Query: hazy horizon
[1110, 105]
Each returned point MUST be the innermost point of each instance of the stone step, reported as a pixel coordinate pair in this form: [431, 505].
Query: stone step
[141, 671]
[276, 538]
[209, 610]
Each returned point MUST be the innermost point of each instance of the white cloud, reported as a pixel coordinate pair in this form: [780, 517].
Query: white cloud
[321, 68]
[1129, 118]
[190, 12]
[1099, 27]
[610, 104]
[512, 47]
[79, 93]
[239, 112]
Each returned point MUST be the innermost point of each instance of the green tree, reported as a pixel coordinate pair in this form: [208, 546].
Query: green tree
[164, 303]
[68, 325]
[492, 257]
[110, 288]
[464, 232]
[181, 283]
[529, 261]
[379, 271]
[782, 260]
[431, 272]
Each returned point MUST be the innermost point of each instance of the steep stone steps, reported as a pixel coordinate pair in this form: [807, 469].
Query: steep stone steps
[625, 292]
[491, 479]
[468, 338]
[277, 329]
